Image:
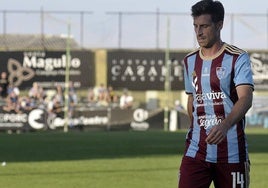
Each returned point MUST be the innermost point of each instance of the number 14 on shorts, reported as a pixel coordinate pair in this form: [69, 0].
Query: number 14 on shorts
[238, 179]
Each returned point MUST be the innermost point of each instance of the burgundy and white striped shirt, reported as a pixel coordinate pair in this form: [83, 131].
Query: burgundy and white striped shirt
[212, 82]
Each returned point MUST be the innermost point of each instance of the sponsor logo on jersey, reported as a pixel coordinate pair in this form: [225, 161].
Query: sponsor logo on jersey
[210, 96]
[209, 121]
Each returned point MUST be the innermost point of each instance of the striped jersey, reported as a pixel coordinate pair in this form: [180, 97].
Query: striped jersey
[212, 82]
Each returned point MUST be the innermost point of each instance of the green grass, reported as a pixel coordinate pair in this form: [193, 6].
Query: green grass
[107, 159]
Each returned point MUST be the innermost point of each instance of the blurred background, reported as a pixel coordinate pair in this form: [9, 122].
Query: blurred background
[95, 53]
[132, 24]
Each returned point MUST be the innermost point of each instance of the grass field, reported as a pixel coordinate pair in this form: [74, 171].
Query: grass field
[107, 159]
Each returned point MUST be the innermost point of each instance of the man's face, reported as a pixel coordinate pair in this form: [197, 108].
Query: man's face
[207, 32]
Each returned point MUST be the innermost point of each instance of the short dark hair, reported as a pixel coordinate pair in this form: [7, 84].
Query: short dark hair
[213, 8]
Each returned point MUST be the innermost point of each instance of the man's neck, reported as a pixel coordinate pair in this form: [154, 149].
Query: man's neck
[209, 52]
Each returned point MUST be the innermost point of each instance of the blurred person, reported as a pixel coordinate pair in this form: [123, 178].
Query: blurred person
[59, 96]
[178, 106]
[25, 103]
[103, 101]
[112, 97]
[73, 100]
[102, 96]
[126, 100]
[91, 98]
[54, 106]
[36, 94]
[72, 93]
[56, 103]
[218, 81]
[35, 91]
[4, 85]
[12, 99]
[102, 91]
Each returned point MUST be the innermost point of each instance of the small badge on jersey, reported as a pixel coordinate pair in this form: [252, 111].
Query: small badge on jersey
[221, 72]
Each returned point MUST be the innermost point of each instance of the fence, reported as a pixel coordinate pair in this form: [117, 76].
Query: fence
[133, 29]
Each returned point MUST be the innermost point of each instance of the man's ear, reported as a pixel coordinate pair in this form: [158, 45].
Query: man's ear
[219, 25]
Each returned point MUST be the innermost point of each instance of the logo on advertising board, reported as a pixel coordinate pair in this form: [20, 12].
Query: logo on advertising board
[259, 65]
[85, 120]
[12, 120]
[48, 68]
[18, 73]
[35, 119]
[140, 116]
[144, 70]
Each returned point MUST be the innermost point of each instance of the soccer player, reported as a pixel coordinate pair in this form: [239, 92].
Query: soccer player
[219, 84]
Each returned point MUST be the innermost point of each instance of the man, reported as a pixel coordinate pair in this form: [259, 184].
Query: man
[3, 85]
[126, 100]
[219, 84]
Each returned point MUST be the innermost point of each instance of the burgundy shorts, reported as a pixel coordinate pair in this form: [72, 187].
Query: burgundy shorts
[200, 174]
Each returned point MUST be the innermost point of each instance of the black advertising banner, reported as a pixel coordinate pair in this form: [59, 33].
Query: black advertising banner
[39, 119]
[107, 119]
[48, 68]
[259, 63]
[144, 70]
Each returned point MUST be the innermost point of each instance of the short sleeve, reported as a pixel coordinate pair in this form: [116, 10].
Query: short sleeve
[243, 71]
